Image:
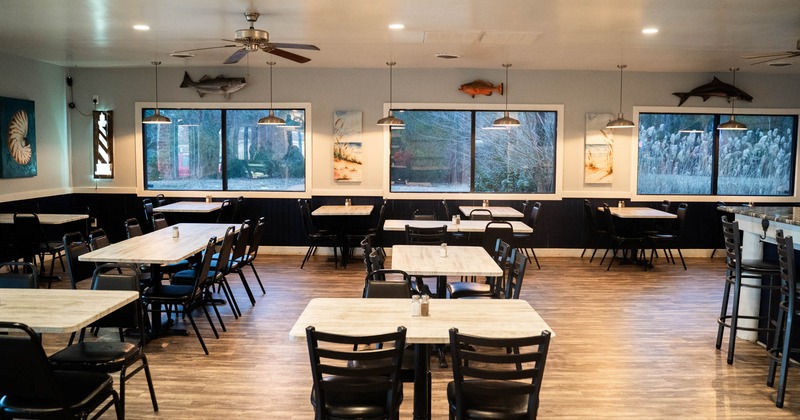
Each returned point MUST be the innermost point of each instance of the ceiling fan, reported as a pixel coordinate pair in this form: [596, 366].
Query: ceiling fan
[774, 56]
[252, 39]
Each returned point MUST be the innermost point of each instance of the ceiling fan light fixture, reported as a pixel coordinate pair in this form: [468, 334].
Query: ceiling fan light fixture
[271, 119]
[390, 120]
[506, 120]
[732, 124]
[156, 118]
[620, 121]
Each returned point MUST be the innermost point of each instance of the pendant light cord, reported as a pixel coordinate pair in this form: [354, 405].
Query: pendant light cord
[506, 89]
[391, 66]
[156, 63]
[270, 84]
[621, 66]
[733, 98]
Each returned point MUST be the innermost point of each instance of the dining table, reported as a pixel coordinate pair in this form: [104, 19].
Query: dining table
[467, 226]
[634, 221]
[496, 318]
[46, 218]
[343, 217]
[190, 207]
[60, 310]
[498, 212]
[427, 260]
[157, 248]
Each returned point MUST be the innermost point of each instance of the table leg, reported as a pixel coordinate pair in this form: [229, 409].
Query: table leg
[157, 329]
[441, 287]
[422, 381]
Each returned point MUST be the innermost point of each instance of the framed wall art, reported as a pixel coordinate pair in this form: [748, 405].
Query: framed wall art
[598, 156]
[347, 154]
[17, 138]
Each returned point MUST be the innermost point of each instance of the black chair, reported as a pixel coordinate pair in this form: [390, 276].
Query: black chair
[74, 247]
[356, 384]
[718, 227]
[30, 241]
[426, 235]
[788, 309]
[187, 297]
[98, 239]
[493, 287]
[147, 205]
[632, 241]
[455, 237]
[516, 274]
[385, 283]
[225, 213]
[237, 260]
[252, 249]
[317, 237]
[32, 389]
[377, 265]
[133, 228]
[375, 232]
[161, 200]
[238, 208]
[525, 240]
[111, 356]
[491, 382]
[767, 276]
[420, 214]
[159, 221]
[480, 214]
[596, 233]
[20, 275]
[670, 239]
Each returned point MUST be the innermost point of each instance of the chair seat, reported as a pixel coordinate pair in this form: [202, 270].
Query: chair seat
[54, 246]
[95, 356]
[368, 405]
[485, 399]
[759, 266]
[461, 289]
[80, 389]
[168, 292]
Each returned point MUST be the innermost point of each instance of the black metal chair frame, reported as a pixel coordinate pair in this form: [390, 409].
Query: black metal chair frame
[74, 247]
[525, 240]
[619, 241]
[596, 234]
[29, 237]
[317, 237]
[20, 275]
[670, 239]
[788, 309]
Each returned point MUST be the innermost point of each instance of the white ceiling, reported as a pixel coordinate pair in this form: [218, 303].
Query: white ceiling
[694, 35]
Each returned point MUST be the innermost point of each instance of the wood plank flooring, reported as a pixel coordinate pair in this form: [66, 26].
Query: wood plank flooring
[630, 344]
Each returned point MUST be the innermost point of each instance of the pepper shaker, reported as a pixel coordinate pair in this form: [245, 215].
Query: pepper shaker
[425, 305]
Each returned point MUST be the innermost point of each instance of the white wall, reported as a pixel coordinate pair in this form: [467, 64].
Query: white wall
[44, 84]
[328, 90]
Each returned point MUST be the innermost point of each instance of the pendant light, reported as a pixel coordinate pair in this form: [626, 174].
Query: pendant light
[271, 119]
[506, 121]
[620, 122]
[390, 120]
[732, 124]
[156, 118]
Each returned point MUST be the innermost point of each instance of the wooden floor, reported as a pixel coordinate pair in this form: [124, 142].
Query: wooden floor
[629, 344]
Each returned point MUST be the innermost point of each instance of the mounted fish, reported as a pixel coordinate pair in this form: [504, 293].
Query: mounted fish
[220, 85]
[481, 87]
[715, 88]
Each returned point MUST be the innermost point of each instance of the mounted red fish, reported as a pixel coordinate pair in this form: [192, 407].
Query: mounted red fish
[481, 87]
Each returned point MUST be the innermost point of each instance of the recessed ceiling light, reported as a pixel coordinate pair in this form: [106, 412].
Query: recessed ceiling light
[650, 31]
[141, 27]
[397, 26]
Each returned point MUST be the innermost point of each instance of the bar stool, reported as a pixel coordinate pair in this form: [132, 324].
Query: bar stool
[738, 269]
[787, 310]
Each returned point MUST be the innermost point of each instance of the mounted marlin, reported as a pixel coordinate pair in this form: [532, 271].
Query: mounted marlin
[715, 88]
[221, 85]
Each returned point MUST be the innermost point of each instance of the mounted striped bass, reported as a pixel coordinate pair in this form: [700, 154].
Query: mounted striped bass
[220, 85]
[481, 87]
[715, 88]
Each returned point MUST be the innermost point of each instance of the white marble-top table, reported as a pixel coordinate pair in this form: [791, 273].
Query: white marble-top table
[356, 316]
[159, 247]
[46, 218]
[498, 212]
[473, 226]
[639, 213]
[189, 207]
[341, 210]
[60, 310]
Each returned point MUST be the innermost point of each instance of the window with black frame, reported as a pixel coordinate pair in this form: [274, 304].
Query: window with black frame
[460, 151]
[684, 154]
[224, 150]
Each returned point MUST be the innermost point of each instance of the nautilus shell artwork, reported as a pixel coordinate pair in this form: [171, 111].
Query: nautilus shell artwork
[18, 145]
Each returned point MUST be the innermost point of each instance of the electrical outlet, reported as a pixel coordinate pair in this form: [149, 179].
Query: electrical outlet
[95, 98]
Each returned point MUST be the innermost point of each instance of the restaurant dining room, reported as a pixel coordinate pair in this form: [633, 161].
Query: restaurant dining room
[399, 209]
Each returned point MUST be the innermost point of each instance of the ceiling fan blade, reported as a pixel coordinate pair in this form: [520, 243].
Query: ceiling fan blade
[287, 55]
[207, 48]
[780, 57]
[236, 56]
[772, 54]
[294, 46]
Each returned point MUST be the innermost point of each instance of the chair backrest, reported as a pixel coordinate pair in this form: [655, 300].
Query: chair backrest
[161, 200]
[608, 220]
[224, 254]
[132, 227]
[786, 264]
[516, 273]
[733, 243]
[242, 240]
[589, 215]
[483, 368]
[397, 285]
[21, 275]
[378, 236]
[534, 215]
[202, 277]
[366, 249]
[338, 368]
[495, 231]
[680, 217]
[425, 235]
[480, 214]
[237, 209]
[25, 374]
[305, 214]
[159, 221]
[446, 210]
[74, 247]
[255, 239]
[225, 213]
[420, 214]
[120, 277]
[665, 205]
[526, 215]
[28, 233]
[98, 239]
[147, 204]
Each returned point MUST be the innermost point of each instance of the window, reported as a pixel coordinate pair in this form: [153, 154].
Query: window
[225, 150]
[460, 151]
[685, 154]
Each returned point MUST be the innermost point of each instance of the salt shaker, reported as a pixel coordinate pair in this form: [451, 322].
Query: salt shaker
[416, 306]
[443, 250]
[425, 305]
[175, 232]
[458, 219]
[454, 219]
[485, 203]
